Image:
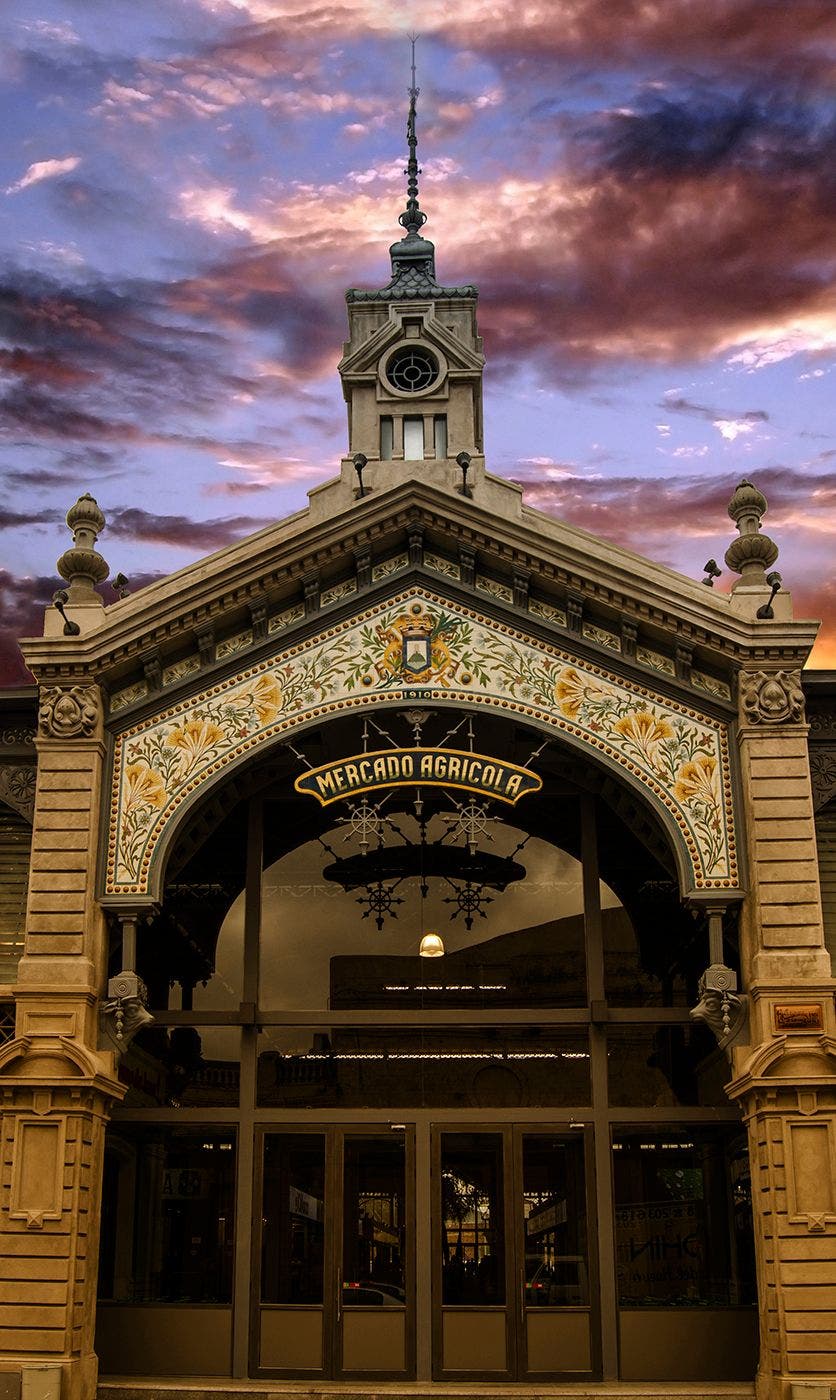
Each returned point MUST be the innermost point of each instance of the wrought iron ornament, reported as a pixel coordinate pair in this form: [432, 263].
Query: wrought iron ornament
[388, 854]
[413, 217]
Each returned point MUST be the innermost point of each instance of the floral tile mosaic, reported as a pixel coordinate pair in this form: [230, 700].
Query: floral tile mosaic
[601, 636]
[495, 589]
[712, 686]
[442, 566]
[187, 666]
[286, 618]
[390, 566]
[656, 660]
[129, 696]
[339, 591]
[546, 610]
[230, 645]
[416, 647]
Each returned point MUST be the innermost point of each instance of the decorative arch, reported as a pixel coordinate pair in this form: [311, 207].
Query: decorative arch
[417, 647]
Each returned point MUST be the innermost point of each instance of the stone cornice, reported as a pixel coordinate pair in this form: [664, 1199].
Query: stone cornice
[266, 563]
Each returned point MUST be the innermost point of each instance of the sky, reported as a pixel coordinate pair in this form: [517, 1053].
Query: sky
[644, 192]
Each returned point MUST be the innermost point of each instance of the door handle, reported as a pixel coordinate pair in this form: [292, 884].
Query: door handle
[522, 1293]
[339, 1294]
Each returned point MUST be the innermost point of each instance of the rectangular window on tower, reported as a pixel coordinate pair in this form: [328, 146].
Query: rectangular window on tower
[413, 439]
[440, 436]
[387, 439]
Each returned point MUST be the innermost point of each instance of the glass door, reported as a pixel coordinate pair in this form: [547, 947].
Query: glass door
[512, 1295]
[291, 1322]
[473, 1271]
[556, 1328]
[373, 1330]
[334, 1269]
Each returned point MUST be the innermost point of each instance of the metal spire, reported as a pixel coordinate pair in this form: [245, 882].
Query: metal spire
[413, 217]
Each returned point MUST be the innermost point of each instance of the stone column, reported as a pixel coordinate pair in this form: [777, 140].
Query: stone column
[56, 1085]
[785, 1079]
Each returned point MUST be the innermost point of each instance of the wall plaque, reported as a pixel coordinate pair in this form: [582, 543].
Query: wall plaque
[799, 1018]
[446, 768]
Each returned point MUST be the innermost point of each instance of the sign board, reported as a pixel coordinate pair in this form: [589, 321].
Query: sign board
[302, 1204]
[807, 1017]
[547, 1218]
[660, 1250]
[446, 768]
[184, 1184]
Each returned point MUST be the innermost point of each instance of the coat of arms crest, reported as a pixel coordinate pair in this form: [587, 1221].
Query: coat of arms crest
[416, 654]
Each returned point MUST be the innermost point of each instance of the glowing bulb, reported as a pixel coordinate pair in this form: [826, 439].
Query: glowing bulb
[432, 946]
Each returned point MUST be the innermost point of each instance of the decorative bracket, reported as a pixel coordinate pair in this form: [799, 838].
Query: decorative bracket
[721, 1007]
[124, 1011]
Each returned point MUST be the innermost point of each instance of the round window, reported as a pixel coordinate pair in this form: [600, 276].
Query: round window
[412, 369]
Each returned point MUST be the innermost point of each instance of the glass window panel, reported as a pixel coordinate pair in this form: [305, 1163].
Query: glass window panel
[653, 952]
[431, 1067]
[168, 1215]
[472, 1220]
[182, 1067]
[321, 948]
[440, 436]
[683, 1218]
[293, 1232]
[826, 846]
[554, 1220]
[15, 848]
[659, 1066]
[413, 439]
[190, 954]
[374, 1222]
[387, 439]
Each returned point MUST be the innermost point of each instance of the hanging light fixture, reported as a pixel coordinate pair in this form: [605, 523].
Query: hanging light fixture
[431, 946]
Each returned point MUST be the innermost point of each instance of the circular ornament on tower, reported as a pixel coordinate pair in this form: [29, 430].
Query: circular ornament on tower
[412, 369]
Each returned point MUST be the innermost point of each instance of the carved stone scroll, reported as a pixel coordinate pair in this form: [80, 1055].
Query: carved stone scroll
[771, 697]
[68, 713]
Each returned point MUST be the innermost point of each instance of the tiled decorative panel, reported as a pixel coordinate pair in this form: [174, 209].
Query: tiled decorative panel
[416, 647]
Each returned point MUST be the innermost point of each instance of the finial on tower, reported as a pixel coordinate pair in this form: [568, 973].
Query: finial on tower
[413, 256]
[413, 217]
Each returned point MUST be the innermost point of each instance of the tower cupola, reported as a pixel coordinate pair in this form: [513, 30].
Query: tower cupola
[412, 367]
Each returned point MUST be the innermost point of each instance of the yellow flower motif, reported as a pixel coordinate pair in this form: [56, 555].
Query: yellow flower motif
[645, 730]
[268, 697]
[569, 692]
[264, 695]
[697, 779]
[196, 737]
[143, 787]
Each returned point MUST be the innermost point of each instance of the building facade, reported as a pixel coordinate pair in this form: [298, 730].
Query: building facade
[423, 972]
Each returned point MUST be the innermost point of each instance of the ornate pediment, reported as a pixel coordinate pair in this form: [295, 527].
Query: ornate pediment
[416, 646]
[365, 357]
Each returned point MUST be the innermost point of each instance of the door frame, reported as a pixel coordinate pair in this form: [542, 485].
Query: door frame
[514, 1309]
[334, 1135]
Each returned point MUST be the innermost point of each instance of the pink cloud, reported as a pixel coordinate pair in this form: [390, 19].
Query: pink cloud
[44, 170]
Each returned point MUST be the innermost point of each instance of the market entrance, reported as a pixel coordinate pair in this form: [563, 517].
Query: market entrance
[340, 1158]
